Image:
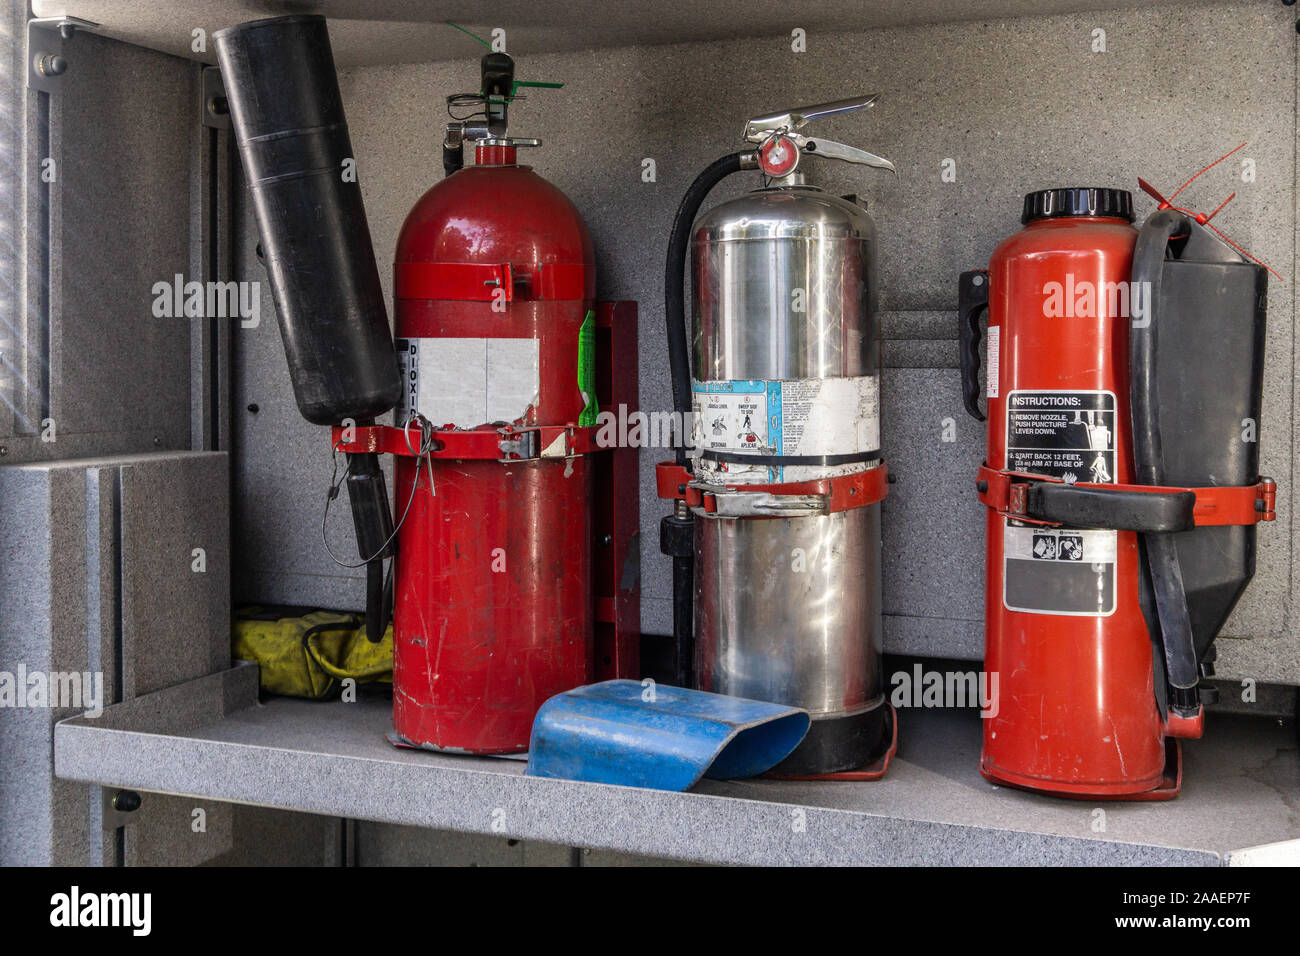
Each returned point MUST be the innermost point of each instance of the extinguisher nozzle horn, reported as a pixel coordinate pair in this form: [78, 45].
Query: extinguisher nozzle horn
[287, 113]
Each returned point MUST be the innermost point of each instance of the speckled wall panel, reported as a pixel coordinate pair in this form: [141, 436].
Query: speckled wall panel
[43, 616]
[385, 844]
[120, 129]
[264, 837]
[175, 533]
[124, 132]
[90, 549]
[1017, 104]
[281, 470]
[178, 831]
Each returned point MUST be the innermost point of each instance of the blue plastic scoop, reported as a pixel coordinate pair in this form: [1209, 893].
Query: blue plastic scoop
[632, 734]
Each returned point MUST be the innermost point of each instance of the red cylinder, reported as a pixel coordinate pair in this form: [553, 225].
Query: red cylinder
[1065, 637]
[492, 611]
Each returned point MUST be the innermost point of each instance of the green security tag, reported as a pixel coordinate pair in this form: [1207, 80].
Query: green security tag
[587, 370]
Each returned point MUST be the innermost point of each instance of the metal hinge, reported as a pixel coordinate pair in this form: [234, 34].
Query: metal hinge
[44, 52]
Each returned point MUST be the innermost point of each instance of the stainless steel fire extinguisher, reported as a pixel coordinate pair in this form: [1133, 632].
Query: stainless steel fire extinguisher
[777, 501]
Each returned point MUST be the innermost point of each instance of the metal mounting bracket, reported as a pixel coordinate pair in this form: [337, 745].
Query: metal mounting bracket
[44, 49]
[213, 108]
[118, 812]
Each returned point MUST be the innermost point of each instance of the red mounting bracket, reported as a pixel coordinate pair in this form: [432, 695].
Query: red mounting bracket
[505, 443]
[1007, 492]
[1186, 728]
[788, 499]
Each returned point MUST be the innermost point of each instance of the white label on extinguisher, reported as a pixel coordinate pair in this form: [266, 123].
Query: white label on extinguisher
[809, 417]
[467, 382]
[1067, 434]
[1039, 543]
[994, 359]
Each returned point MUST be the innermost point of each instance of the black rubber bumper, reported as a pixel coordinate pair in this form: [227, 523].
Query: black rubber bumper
[835, 744]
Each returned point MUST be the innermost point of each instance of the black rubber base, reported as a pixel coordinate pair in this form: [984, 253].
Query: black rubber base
[840, 743]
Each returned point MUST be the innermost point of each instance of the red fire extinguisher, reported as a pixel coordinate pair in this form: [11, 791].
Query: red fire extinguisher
[1121, 498]
[495, 331]
[501, 356]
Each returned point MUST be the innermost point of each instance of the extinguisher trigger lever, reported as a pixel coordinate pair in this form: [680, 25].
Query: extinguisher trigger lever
[972, 299]
[789, 125]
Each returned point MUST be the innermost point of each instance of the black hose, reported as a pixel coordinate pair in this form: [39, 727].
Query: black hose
[376, 618]
[1144, 401]
[288, 118]
[677, 541]
[677, 531]
[679, 355]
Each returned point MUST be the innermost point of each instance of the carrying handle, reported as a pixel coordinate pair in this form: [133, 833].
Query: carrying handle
[972, 299]
[759, 128]
[1153, 512]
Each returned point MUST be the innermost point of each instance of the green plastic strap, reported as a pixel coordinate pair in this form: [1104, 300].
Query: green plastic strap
[534, 84]
[587, 370]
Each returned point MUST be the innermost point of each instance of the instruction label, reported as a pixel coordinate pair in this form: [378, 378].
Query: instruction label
[1069, 435]
[789, 417]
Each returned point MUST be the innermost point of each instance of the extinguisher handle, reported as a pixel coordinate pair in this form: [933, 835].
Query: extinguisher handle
[1152, 512]
[972, 299]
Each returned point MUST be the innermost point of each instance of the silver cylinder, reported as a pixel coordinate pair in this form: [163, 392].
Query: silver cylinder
[754, 258]
[788, 609]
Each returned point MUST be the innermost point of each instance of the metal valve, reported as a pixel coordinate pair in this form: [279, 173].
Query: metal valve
[781, 141]
[486, 121]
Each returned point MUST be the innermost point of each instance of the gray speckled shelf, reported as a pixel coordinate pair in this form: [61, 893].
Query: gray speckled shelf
[210, 738]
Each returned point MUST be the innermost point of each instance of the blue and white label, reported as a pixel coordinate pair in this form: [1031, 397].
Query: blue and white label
[789, 417]
[739, 416]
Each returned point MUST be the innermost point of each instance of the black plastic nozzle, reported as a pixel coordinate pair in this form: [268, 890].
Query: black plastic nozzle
[498, 70]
